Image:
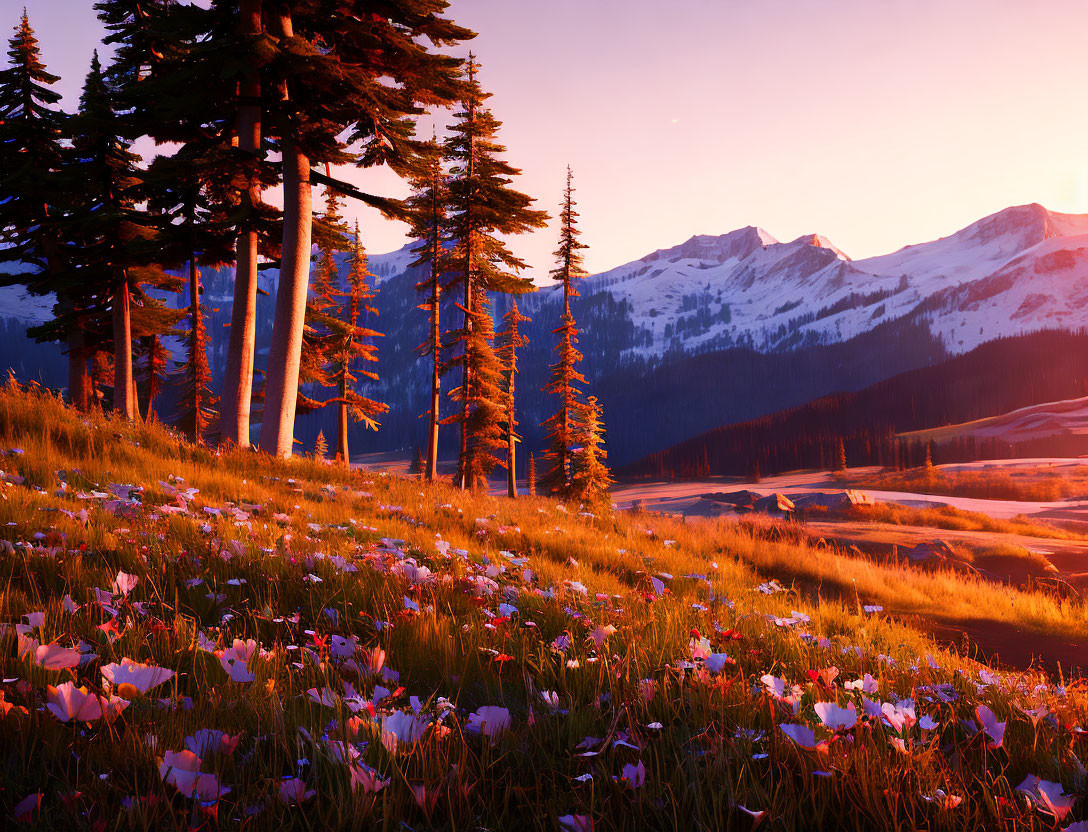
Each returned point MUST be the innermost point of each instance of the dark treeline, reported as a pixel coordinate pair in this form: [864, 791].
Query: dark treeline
[997, 377]
[239, 97]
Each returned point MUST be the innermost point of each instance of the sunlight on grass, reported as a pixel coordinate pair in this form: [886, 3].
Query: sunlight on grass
[426, 658]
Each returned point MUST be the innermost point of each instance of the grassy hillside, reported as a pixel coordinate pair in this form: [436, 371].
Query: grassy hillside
[380, 653]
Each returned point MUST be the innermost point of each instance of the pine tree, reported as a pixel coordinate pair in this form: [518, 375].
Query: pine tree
[349, 87]
[840, 457]
[531, 476]
[590, 478]
[339, 338]
[117, 249]
[510, 340]
[33, 198]
[483, 209]
[184, 189]
[247, 36]
[321, 447]
[426, 215]
[565, 375]
[181, 72]
[419, 464]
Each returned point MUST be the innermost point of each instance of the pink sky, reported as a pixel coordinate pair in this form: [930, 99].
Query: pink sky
[874, 122]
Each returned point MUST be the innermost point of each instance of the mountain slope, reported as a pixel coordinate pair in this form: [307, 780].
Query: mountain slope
[994, 378]
[773, 324]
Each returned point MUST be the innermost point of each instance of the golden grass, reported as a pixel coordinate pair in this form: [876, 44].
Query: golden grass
[261, 575]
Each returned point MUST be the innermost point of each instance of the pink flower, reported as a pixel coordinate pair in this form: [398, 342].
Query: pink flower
[55, 657]
[235, 660]
[67, 702]
[1048, 796]
[294, 791]
[124, 583]
[142, 677]
[367, 779]
[181, 769]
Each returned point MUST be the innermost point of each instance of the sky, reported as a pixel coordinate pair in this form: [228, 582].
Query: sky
[876, 123]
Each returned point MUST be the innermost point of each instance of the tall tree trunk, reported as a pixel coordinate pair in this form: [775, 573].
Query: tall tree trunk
[237, 396]
[284, 358]
[79, 378]
[511, 467]
[342, 424]
[124, 387]
[436, 377]
[195, 347]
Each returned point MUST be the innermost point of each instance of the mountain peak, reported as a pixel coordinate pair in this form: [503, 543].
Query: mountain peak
[1027, 224]
[736, 244]
[820, 241]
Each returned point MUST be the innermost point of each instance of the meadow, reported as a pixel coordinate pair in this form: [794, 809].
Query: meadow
[201, 639]
[1029, 484]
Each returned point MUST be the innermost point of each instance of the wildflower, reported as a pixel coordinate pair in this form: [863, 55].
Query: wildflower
[135, 676]
[489, 720]
[634, 775]
[836, 718]
[989, 722]
[293, 791]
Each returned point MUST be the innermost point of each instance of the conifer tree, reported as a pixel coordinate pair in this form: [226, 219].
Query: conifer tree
[840, 456]
[195, 230]
[321, 447]
[426, 215]
[182, 72]
[531, 476]
[510, 340]
[483, 208]
[116, 251]
[565, 375]
[340, 339]
[590, 478]
[247, 36]
[350, 82]
[419, 464]
[33, 198]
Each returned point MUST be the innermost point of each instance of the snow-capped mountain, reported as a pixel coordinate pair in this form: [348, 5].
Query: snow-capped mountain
[773, 324]
[1019, 270]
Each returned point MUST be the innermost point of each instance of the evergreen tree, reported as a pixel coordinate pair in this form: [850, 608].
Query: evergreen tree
[248, 38]
[483, 209]
[339, 336]
[195, 230]
[840, 457]
[510, 340]
[33, 197]
[350, 82]
[321, 447]
[116, 249]
[419, 464]
[182, 71]
[571, 266]
[531, 475]
[564, 372]
[590, 478]
[426, 215]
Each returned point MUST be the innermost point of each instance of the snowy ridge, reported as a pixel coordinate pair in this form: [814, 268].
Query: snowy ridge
[1019, 270]
[1022, 269]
